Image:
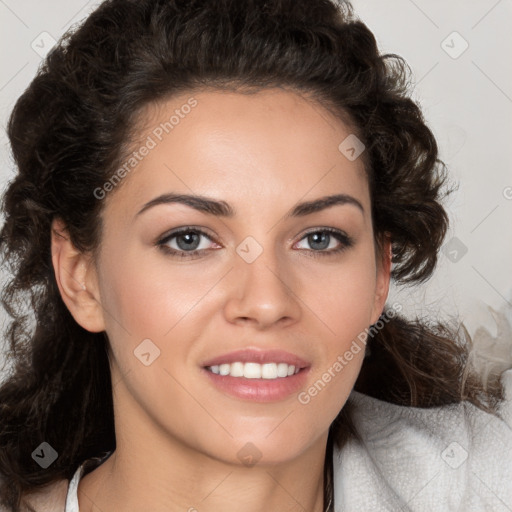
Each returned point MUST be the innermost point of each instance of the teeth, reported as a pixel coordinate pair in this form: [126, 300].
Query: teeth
[255, 370]
[282, 370]
[269, 371]
[237, 370]
[224, 369]
[252, 371]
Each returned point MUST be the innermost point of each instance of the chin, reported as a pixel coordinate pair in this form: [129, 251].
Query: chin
[267, 446]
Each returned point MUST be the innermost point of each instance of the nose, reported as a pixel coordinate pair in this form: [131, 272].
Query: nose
[264, 292]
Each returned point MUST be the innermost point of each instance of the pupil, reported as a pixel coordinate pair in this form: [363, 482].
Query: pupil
[322, 239]
[190, 238]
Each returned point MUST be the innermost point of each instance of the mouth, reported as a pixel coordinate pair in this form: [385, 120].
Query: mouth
[261, 376]
[253, 370]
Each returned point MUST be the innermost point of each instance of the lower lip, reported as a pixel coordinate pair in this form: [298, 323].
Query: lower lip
[259, 390]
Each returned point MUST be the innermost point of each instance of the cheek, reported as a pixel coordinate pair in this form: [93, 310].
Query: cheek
[344, 303]
[343, 295]
[344, 299]
[149, 295]
[345, 309]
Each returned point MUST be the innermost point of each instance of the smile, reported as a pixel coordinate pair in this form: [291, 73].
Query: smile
[252, 370]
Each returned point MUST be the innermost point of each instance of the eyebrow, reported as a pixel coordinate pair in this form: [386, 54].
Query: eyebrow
[223, 209]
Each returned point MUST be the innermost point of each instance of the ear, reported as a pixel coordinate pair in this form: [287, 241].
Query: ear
[77, 279]
[383, 277]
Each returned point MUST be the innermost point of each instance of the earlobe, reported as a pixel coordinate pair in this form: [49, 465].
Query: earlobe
[383, 278]
[76, 279]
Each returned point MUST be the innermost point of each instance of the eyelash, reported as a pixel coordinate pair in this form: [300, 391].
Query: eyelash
[344, 239]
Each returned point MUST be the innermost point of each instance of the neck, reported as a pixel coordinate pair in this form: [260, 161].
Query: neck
[152, 470]
[182, 485]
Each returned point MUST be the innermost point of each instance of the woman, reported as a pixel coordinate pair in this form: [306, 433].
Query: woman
[209, 199]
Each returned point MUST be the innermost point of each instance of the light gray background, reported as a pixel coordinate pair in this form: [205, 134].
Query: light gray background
[467, 102]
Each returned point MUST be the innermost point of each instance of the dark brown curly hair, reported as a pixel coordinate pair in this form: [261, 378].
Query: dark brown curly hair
[69, 132]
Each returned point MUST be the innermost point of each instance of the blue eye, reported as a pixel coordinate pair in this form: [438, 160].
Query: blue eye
[186, 242]
[321, 239]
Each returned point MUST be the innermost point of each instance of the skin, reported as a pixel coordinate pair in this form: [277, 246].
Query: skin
[177, 435]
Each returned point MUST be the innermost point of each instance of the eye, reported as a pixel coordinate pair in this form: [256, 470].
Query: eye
[322, 239]
[184, 242]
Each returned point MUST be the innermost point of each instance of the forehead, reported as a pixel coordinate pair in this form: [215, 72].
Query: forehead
[273, 142]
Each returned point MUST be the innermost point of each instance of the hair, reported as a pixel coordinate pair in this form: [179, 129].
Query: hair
[70, 130]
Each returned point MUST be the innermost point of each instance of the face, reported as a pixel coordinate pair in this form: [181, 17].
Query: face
[256, 278]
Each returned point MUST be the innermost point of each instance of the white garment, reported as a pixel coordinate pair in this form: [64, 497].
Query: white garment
[72, 496]
[443, 459]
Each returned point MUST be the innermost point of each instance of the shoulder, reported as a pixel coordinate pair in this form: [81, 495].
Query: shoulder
[50, 498]
[454, 457]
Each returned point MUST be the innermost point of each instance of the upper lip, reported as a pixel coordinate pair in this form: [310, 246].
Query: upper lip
[257, 356]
